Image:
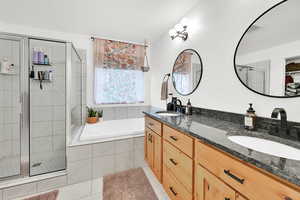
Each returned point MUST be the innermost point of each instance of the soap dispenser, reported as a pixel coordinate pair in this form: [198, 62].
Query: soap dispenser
[250, 118]
[188, 108]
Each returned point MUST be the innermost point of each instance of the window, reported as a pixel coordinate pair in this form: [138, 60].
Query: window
[118, 86]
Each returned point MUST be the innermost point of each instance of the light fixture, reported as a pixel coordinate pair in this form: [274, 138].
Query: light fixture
[179, 30]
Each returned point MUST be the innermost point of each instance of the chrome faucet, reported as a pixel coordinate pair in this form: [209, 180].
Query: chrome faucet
[283, 119]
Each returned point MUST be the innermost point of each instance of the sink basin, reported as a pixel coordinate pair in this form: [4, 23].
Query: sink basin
[267, 146]
[168, 113]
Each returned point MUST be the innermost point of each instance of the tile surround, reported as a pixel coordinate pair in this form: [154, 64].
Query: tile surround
[86, 163]
[123, 112]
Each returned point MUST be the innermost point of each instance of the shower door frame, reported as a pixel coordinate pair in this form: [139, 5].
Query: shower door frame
[24, 108]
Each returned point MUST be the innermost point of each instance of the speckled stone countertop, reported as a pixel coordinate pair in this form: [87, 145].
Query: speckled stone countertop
[215, 132]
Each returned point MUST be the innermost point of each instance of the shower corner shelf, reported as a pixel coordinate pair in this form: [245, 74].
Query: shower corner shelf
[9, 74]
[38, 64]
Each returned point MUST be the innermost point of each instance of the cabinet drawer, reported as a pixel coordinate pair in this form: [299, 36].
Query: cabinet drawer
[180, 164]
[181, 141]
[175, 190]
[153, 125]
[247, 180]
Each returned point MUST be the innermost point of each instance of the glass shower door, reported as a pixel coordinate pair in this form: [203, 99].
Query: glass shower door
[11, 55]
[47, 106]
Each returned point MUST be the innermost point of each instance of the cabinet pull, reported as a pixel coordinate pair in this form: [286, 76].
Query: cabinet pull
[172, 190]
[151, 124]
[173, 138]
[228, 173]
[287, 198]
[173, 161]
[227, 198]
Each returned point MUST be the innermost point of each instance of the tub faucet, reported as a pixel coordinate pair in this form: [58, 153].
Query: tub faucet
[283, 120]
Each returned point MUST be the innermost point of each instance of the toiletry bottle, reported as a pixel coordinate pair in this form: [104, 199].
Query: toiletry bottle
[5, 66]
[50, 75]
[188, 108]
[35, 56]
[250, 118]
[41, 56]
[46, 59]
[170, 104]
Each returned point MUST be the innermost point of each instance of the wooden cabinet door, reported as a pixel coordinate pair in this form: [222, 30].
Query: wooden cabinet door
[157, 158]
[150, 148]
[209, 187]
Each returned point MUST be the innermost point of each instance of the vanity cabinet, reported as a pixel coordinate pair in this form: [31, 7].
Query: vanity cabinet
[190, 169]
[153, 146]
[247, 180]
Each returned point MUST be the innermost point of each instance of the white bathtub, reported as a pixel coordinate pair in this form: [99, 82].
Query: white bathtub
[113, 130]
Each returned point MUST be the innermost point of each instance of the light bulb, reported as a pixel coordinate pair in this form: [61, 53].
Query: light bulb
[172, 32]
[184, 21]
[178, 27]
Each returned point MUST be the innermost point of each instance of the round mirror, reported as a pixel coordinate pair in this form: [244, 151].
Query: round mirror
[267, 59]
[187, 72]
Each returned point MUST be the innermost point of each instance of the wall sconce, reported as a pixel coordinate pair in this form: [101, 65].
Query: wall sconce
[179, 30]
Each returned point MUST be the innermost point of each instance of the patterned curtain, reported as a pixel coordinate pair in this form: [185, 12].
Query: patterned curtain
[118, 55]
[183, 63]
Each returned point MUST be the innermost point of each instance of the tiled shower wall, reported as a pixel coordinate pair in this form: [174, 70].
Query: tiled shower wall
[9, 112]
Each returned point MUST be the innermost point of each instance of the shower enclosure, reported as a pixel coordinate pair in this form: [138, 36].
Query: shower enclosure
[35, 111]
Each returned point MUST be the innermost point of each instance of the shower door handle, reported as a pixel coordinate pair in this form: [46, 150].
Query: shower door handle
[20, 106]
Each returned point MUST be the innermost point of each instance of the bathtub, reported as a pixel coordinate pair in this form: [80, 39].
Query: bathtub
[113, 130]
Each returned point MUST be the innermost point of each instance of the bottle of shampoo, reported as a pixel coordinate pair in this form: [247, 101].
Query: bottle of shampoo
[250, 118]
[35, 56]
[46, 60]
[41, 56]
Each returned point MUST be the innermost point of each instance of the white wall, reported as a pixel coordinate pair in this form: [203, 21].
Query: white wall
[216, 27]
[277, 55]
[81, 42]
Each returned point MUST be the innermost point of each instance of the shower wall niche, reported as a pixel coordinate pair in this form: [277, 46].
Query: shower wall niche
[35, 104]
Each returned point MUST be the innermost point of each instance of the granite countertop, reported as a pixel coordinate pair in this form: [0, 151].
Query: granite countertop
[215, 132]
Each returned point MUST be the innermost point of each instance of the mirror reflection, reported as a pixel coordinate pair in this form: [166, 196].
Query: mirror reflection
[267, 58]
[187, 72]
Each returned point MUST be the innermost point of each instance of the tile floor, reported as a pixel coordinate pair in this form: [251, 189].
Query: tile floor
[92, 190]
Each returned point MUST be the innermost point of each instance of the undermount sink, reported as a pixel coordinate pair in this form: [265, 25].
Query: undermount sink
[267, 146]
[168, 113]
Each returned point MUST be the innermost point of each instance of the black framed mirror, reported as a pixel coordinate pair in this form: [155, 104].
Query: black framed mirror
[187, 72]
[267, 58]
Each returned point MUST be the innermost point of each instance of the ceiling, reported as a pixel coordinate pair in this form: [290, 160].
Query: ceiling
[130, 20]
[277, 27]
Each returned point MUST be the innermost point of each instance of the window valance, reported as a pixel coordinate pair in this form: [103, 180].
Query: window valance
[118, 55]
